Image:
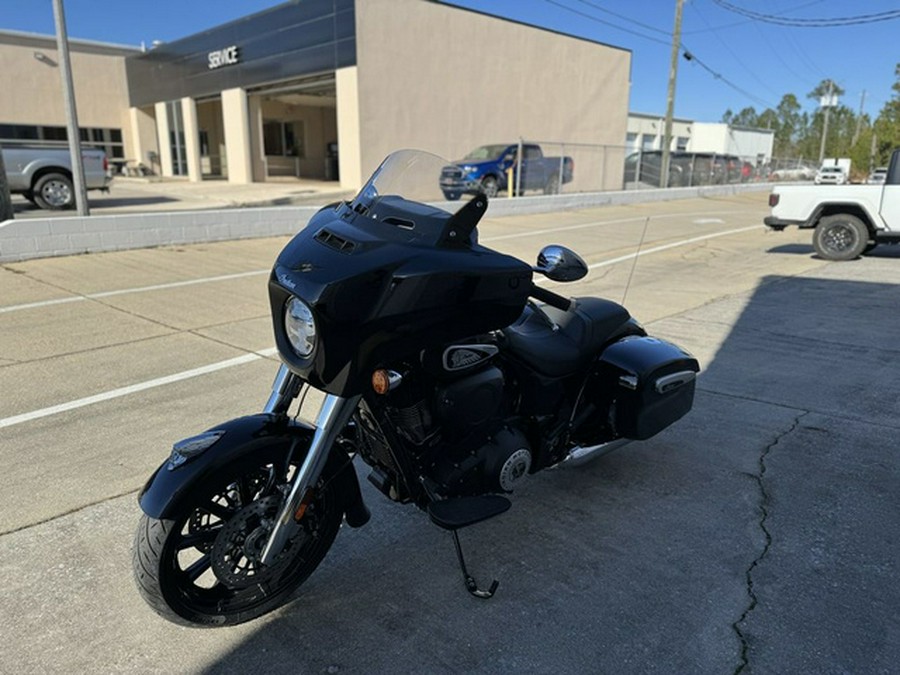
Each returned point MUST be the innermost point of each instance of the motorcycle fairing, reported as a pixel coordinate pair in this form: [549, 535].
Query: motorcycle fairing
[169, 490]
[382, 289]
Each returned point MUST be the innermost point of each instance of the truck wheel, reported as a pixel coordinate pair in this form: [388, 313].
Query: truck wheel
[489, 186]
[551, 187]
[54, 191]
[840, 237]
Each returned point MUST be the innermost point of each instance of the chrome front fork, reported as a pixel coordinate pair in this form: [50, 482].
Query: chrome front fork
[333, 416]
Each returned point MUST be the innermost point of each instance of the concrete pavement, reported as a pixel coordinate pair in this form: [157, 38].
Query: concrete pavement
[757, 535]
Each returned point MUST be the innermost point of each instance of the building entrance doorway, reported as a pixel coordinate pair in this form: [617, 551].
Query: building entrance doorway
[298, 130]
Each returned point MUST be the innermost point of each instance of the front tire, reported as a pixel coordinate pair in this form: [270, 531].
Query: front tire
[840, 237]
[201, 567]
[489, 186]
[54, 191]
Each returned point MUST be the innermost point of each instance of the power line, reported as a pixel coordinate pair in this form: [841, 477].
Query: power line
[810, 23]
[606, 23]
[687, 53]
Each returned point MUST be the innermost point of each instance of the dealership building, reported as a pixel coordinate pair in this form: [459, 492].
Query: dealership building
[321, 89]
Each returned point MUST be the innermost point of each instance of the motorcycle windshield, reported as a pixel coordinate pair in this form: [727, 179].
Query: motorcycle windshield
[418, 176]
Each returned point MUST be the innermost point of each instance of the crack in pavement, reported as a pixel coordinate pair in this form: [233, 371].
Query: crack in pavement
[764, 516]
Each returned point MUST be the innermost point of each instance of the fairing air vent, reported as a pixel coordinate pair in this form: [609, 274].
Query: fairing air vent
[331, 240]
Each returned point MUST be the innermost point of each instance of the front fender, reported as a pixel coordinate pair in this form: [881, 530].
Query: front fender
[169, 489]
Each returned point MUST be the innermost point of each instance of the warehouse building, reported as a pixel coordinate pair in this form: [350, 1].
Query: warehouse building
[322, 89]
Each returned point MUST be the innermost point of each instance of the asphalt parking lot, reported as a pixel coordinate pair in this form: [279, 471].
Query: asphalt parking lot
[758, 535]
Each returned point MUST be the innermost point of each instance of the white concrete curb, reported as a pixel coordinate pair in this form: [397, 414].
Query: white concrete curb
[48, 237]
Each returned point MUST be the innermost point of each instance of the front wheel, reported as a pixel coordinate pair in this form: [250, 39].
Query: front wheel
[202, 567]
[489, 186]
[840, 237]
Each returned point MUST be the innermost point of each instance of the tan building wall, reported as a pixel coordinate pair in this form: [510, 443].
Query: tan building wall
[434, 77]
[98, 73]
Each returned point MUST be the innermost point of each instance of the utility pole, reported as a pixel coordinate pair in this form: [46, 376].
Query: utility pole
[62, 42]
[826, 102]
[862, 102]
[6, 207]
[670, 100]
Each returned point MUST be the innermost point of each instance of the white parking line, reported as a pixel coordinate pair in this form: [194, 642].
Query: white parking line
[134, 388]
[139, 289]
[247, 358]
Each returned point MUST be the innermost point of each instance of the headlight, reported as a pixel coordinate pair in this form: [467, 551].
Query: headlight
[300, 326]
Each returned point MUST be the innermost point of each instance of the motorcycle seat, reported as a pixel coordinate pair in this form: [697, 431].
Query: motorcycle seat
[581, 332]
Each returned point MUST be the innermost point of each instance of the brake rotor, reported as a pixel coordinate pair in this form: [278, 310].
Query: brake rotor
[238, 549]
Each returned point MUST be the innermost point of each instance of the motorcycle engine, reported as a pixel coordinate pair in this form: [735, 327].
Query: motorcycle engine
[453, 418]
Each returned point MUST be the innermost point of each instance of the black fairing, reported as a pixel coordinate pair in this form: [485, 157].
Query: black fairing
[387, 282]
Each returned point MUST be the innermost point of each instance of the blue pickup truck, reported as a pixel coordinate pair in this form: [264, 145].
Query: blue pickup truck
[485, 170]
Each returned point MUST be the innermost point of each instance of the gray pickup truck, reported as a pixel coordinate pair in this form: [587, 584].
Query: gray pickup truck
[44, 175]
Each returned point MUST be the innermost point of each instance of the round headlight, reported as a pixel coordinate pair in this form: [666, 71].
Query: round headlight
[300, 326]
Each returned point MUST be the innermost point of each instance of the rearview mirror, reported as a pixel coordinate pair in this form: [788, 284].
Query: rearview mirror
[559, 263]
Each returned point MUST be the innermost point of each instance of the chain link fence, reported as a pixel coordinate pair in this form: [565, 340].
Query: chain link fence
[553, 167]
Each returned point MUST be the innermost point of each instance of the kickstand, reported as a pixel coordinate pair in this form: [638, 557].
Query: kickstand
[471, 586]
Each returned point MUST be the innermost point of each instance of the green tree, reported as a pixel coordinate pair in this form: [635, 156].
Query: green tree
[887, 125]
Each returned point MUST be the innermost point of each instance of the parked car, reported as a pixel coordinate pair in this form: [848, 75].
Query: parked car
[485, 170]
[44, 175]
[878, 176]
[830, 175]
[846, 223]
[794, 173]
[645, 167]
[685, 168]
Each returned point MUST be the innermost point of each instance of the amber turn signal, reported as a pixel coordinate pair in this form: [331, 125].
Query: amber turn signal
[384, 381]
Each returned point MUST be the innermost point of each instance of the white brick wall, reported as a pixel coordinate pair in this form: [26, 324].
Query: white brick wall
[46, 237]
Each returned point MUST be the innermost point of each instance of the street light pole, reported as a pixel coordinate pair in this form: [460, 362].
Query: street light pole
[6, 207]
[62, 42]
[827, 102]
[670, 100]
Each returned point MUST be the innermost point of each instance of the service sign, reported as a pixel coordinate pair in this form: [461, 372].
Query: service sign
[224, 57]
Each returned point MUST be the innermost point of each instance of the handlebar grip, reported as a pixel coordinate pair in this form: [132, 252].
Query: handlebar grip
[550, 298]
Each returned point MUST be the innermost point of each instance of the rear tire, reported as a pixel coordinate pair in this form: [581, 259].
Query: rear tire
[840, 237]
[54, 191]
[551, 187]
[200, 568]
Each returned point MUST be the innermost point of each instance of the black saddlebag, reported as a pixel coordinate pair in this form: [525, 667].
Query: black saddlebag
[647, 384]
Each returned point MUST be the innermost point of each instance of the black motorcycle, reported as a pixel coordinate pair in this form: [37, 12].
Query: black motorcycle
[439, 371]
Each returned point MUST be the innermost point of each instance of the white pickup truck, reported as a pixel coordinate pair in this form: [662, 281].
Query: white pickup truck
[849, 220]
[44, 175]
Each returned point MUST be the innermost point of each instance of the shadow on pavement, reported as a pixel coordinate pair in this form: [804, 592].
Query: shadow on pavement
[752, 532]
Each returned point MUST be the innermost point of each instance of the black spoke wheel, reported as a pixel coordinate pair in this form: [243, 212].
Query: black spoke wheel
[840, 237]
[202, 568]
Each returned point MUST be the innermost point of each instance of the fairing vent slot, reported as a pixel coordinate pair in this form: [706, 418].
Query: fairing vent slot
[399, 222]
[338, 243]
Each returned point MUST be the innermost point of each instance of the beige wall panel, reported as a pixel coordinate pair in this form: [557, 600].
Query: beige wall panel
[142, 135]
[348, 129]
[236, 119]
[101, 91]
[449, 88]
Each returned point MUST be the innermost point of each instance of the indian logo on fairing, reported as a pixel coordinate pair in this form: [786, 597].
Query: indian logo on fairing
[460, 357]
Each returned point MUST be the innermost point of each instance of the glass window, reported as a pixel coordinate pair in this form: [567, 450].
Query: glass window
[647, 141]
[681, 143]
[284, 139]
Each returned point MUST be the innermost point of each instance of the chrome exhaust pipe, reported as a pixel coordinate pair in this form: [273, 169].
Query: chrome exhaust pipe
[580, 455]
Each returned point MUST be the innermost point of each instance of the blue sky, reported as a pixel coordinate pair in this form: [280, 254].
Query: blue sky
[739, 62]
